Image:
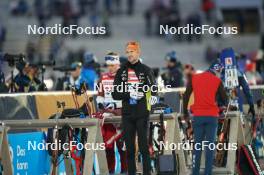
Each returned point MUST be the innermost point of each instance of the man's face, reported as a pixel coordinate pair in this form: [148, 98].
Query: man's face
[170, 64]
[31, 71]
[35, 71]
[112, 68]
[218, 73]
[75, 74]
[187, 70]
[132, 55]
[26, 69]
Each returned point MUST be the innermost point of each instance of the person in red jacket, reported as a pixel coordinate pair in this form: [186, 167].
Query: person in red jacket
[205, 87]
[111, 133]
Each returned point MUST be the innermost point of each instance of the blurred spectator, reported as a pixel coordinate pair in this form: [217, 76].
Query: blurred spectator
[90, 71]
[93, 15]
[31, 51]
[84, 4]
[194, 19]
[155, 10]
[148, 21]
[94, 18]
[75, 13]
[210, 54]
[118, 6]
[71, 13]
[241, 21]
[19, 7]
[57, 43]
[56, 7]
[173, 76]
[75, 75]
[207, 7]
[165, 12]
[66, 13]
[172, 18]
[108, 6]
[218, 21]
[27, 79]
[130, 7]
[241, 62]
[21, 80]
[32, 71]
[66, 82]
[252, 75]
[40, 12]
[2, 36]
[106, 24]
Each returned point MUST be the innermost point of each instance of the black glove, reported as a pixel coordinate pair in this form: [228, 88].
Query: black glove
[101, 106]
[42, 87]
[253, 119]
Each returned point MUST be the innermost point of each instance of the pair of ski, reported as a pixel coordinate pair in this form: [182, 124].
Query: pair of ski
[88, 108]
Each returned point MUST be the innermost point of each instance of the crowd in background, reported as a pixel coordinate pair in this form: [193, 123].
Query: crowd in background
[49, 8]
[72, 10]
[165, 12]
[176, 74]
[99, 12]
[84, 67]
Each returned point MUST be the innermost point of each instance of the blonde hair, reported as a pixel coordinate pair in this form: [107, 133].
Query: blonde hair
[111, 53]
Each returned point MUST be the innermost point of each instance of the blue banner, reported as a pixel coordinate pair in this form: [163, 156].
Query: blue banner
[28, 153]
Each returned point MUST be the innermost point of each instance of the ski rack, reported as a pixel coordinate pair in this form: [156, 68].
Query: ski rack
[237, 134]
[95, 136]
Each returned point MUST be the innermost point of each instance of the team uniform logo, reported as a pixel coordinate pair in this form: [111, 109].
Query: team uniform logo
[231, 75]
[107, 82]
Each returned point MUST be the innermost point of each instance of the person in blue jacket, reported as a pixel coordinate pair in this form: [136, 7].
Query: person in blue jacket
[89, 73]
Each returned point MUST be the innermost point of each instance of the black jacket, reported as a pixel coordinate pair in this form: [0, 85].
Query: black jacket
[146, 78]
